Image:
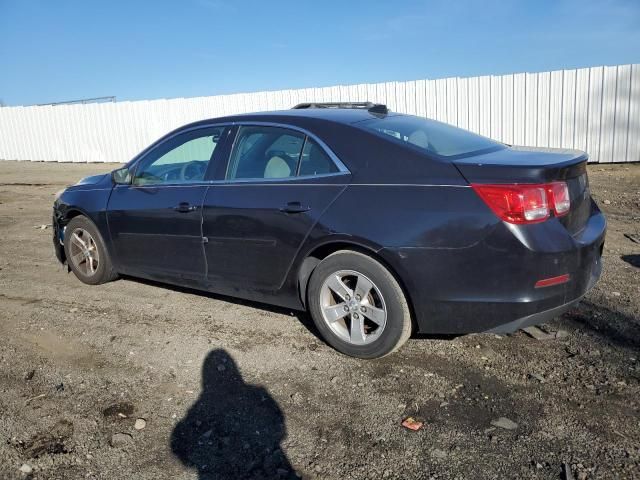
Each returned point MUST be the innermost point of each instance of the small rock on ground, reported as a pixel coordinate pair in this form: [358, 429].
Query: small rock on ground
[440, 454]
[504, 422]
[537, 376]
[568, 474]
[120, 440]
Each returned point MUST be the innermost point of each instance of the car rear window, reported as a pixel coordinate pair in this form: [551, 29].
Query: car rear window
[431, 136]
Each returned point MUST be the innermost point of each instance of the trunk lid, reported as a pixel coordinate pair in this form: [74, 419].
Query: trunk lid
[536, 165]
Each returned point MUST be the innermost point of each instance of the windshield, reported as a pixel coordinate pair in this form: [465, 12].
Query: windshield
[431, 136]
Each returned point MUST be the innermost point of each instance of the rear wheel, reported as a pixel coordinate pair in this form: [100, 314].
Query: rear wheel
[358, 306]
[86, 253]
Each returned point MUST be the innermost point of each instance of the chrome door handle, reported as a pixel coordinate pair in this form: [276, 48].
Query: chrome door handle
[294, 207]
[185, 207]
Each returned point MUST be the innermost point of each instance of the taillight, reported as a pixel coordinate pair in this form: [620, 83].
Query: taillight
[559, 192]
[525, 203]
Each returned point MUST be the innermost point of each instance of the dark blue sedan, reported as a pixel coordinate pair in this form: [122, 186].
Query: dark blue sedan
[379, 224]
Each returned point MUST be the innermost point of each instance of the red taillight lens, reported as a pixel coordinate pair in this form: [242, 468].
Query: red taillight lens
[559, 193]
[525, 203]
[516, 203]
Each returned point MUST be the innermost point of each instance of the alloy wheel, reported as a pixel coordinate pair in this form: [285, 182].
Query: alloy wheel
[84, 252]
[353, 307]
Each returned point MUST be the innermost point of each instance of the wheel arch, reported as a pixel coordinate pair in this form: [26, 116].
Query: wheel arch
[62, 216]
[64, 213]
[320, 252]
[70, 212]
[73, 212]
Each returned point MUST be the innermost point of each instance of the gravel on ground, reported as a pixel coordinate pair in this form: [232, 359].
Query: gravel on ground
[137, 380]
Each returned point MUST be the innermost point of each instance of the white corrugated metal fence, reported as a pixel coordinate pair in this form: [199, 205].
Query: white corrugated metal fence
[593, 109]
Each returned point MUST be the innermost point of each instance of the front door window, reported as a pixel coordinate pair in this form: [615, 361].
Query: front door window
[182, 159]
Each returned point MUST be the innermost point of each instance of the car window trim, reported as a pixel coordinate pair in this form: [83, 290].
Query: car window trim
[299, 164]
[342, 168]
[141, 158]
[219, 153]
[233, 148]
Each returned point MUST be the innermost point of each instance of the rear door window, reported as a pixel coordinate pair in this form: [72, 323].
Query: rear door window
[315, 160]
[265, 152]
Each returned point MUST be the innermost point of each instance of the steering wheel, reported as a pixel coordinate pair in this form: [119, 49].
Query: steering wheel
[192, 170]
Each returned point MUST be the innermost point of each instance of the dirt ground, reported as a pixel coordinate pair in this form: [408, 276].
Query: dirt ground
[230, 389]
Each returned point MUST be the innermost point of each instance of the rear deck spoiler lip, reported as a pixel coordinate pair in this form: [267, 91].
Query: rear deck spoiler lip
[531, 157]
[523, 165]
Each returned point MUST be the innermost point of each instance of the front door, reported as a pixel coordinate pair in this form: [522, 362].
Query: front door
[156, 222]
[278, 183]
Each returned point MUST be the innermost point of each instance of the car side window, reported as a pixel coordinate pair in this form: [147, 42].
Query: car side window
[265, 152]
[181, 159]
[315, 161]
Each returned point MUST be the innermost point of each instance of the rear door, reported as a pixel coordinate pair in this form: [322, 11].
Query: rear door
[277, 184]
[156, 222]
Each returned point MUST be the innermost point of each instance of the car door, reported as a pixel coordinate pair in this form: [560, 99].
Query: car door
[155, 222]
[277, 184]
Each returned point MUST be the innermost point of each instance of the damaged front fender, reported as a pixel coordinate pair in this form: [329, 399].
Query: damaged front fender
[58, 234]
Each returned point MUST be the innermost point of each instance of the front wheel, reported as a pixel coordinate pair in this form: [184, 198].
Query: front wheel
[86, 253]
[358, 305]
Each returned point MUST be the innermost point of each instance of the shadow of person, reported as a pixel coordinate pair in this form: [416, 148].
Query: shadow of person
[234, 429]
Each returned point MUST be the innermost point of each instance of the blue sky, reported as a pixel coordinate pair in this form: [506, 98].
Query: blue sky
[67, 49]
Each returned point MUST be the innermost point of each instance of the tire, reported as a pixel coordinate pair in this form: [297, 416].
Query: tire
[92, 270]
[385, 303]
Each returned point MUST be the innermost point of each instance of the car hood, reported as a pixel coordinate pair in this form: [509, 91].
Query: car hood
[101, 181]
[92, 180]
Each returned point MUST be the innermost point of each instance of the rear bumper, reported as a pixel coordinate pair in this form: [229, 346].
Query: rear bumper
[489, 286]
[534, 319]
[548, 315]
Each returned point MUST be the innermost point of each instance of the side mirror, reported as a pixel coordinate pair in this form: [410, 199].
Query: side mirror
[121, 176]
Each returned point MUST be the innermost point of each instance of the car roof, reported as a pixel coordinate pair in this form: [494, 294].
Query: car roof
[338, 115]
